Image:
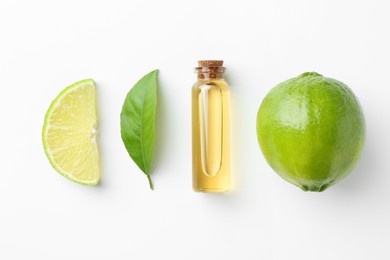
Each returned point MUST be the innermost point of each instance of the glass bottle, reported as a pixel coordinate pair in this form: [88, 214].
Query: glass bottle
[210, 129]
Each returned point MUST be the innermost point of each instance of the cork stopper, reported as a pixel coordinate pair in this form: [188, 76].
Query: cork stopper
[210, 69]
[210, 63]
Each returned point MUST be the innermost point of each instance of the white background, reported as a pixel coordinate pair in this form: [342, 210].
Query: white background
[47, 45]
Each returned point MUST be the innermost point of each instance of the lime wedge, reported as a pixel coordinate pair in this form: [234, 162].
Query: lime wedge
[69, 133]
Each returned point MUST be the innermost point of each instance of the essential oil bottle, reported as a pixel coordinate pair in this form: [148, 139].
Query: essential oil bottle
[210, 129]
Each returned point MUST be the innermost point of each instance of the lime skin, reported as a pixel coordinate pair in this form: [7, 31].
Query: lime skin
[311, 130]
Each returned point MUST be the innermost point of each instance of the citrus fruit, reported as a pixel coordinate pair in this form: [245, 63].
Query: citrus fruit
[69, 133]
[311, 130]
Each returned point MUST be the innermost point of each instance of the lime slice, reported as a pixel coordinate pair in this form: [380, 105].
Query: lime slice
[69, 133]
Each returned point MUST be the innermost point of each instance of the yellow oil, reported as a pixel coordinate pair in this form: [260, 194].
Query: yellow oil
[210, 135]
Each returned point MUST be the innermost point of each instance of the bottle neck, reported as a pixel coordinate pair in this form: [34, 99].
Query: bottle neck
[210, 72]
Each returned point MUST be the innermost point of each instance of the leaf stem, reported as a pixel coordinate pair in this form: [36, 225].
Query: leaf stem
[150, 181]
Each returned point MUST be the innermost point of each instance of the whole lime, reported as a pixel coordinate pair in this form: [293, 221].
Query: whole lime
[311, 130]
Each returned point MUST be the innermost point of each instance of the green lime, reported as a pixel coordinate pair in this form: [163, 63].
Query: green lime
[311, 130]
[69, 133]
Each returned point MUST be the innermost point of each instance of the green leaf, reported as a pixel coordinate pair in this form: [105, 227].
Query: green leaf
[138, 122]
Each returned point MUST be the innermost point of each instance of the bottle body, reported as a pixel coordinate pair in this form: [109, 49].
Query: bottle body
[210, 135]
